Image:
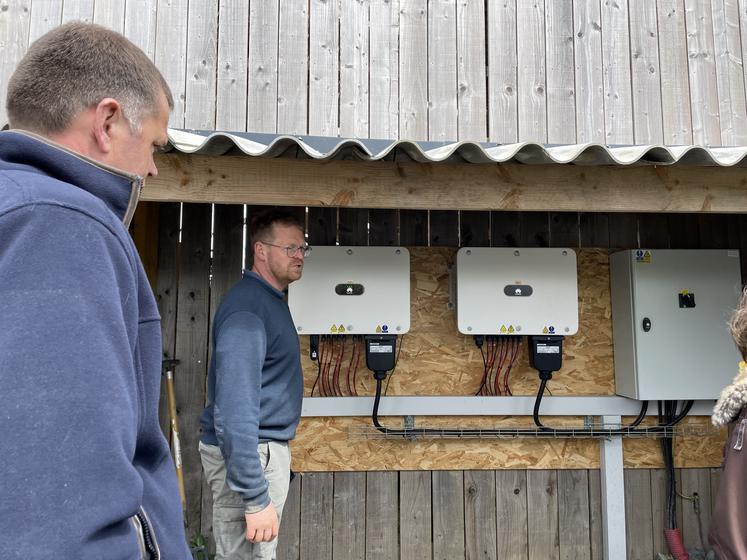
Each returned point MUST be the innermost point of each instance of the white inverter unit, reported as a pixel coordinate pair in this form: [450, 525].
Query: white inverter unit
[516, 291]
[352, 290]
[670, 310]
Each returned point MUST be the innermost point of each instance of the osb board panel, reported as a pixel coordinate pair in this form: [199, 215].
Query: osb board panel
[436, 360]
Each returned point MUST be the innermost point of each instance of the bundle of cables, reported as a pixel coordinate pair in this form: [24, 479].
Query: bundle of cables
[330, 360]
[500, 357]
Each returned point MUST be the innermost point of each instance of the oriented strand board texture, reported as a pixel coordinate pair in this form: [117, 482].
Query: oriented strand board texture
[436, 360]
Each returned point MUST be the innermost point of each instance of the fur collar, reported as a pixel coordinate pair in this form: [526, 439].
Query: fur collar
[733, 398]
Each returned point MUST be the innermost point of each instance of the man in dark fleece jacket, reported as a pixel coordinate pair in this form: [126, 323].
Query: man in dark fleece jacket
[255, 389]
[86, 471]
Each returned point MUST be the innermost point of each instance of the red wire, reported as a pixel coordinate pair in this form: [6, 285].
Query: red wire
[338, 367]
[322, 356]
[327, 363]
[359, 346]
[497, 375]
[489, 366]
[516, 346]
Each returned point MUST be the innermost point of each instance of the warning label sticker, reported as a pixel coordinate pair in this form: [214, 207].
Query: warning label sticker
[643, 256]
[333, 329]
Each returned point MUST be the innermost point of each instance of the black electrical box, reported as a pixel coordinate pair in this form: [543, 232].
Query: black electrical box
[381, 352]
[546, 352]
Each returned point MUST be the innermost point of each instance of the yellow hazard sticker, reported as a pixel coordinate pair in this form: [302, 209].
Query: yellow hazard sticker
[333, 328]
[643, 256]
[503, 329]
[341, 329]
[510, 329]
[544, 331]
[378, 328]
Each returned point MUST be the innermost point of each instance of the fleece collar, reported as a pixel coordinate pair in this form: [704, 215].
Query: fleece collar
[26, 151]
[733, 398]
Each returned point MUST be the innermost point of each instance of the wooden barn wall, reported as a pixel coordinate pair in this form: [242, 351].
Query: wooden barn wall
[434, 359]
[561, 71]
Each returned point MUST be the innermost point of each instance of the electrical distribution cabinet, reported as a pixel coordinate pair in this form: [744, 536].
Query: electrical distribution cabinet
[353, 290]
[670, 310]
[510, 291]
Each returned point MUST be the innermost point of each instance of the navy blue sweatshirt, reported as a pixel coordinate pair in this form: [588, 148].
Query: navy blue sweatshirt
[85, 471]
[255, 383]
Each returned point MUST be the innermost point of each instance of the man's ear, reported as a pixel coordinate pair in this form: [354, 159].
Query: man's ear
[259, 251]
[108, 117]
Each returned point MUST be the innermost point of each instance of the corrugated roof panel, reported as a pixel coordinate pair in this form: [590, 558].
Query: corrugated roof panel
[327, 148]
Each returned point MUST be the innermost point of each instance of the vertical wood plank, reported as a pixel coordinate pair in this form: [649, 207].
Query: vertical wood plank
[44, 17]
[503, 120]
[228, 230]
[535, 229]
[480, 525]
[322, 228]
[530, 34]
[448, 515]
[323, 68]
[505, 229]
[561, 88]
[109, 13]
[317, 499]
[442, 70]
[638, 520]
[542, 500]
[349, 538]
[354, 71]
[353, 226]
[564, 229]
[140, 24]
[443, 228]
[171, 52]
[383, 227]
[618, 105]
[595, 515]
[474, 228]
[382, 516]
[713, 230]
[675, 83]
[684, 231]
[384, 66]
[587, 47]
[729, 72]
[413, 227]
[595, 229]
[715, 482]
[233, 43]
[191, 349]
[644, 49]
[202, 53]
[623, 230]
[77, 10]
[653, 231]
[262, 67]
[694, 526]
[289, 537]
[471, 73]
[293, 60]
[658, 509]
[144, 231]
[702, 72]
[413, 70]
[415, 516]
[167, 290]
[15, 21]
[511, 513]
[573, 514]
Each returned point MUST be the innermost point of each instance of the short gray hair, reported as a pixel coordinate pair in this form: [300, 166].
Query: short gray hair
[74, 67]
[738, 325]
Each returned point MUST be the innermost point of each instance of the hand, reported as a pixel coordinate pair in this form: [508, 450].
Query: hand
[262, 526]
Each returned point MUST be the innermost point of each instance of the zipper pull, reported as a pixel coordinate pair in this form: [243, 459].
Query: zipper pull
[740, 435]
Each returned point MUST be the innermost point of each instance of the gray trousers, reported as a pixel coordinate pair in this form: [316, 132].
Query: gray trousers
[229, 524]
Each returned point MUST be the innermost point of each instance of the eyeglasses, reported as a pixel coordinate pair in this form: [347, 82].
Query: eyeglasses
[291, 250]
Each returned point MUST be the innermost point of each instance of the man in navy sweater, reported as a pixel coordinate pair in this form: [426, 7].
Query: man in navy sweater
[86, 471]
[255, 389]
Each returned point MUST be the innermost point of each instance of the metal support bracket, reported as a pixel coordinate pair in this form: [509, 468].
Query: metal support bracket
[613, 494]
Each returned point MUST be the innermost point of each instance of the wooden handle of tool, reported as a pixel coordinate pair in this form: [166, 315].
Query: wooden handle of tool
[175, 445]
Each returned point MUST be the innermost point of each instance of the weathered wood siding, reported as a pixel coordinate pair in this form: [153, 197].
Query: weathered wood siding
[557, 71]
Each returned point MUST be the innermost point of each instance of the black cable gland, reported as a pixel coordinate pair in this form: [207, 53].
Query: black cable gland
[379, 375]
[545, 375]
[479, 340]
[314, 347]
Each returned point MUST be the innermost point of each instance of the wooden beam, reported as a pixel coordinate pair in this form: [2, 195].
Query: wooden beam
[440, 186]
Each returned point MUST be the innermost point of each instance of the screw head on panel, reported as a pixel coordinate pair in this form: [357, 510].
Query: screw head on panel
[565, 253]
[566, 329]
[468, 252]
[350, 327]
[398, 252]
[349, 251]
[469, 329]
[299, 329]
[517, 253]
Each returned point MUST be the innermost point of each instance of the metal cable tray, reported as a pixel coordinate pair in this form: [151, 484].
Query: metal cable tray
[592, 431]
